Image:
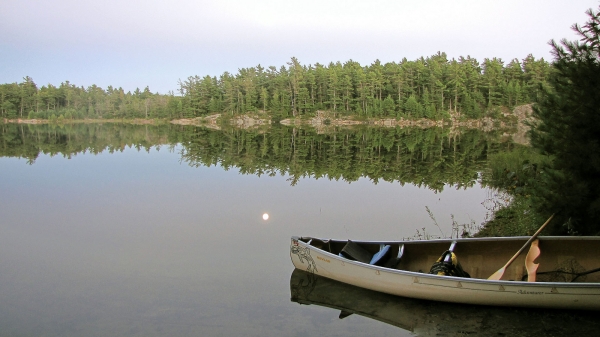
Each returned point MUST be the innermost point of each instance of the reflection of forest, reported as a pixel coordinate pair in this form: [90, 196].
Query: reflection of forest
[431, 157]
[28, 141]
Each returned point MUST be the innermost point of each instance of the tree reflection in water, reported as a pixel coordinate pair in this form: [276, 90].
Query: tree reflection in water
[432, 157]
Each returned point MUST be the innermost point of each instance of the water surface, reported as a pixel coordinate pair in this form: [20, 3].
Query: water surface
[136, 231]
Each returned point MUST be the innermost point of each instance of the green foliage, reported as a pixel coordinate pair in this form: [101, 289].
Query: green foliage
[518, 218]
[514, 173]
[389, 106]
[516, 170]
[430, 87]
[25, 99]
[569, 131]
[412, 107]
[8, 109]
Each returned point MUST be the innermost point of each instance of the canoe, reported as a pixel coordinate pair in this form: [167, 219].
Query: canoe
[567, 277]
[427, 318]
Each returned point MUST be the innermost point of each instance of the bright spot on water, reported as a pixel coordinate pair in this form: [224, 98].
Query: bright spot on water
[265, 216]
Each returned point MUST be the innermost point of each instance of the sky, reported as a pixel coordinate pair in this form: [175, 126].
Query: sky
[139, 43]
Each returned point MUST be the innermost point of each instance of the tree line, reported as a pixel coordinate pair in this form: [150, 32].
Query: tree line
[68, 101]
[434, 87]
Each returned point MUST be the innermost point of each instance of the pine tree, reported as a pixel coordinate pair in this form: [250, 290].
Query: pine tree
[412, 107]
[569, 131]
[389, 106]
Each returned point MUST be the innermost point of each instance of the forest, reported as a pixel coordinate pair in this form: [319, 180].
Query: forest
[433, 87]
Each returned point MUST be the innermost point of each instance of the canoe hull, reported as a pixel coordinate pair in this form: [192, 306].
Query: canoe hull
[584, 296]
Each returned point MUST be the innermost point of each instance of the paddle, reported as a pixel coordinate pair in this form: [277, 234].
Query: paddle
[498, 275]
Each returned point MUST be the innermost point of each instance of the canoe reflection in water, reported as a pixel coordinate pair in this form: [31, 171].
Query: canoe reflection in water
[429, 318]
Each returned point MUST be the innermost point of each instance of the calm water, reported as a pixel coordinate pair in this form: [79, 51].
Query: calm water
[106, 239]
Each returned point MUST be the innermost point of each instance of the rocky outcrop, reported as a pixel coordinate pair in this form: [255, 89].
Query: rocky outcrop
[249, 121]
[524, 114]
[325, 118]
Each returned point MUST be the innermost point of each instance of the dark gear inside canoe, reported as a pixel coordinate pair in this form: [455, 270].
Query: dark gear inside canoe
[448, 266]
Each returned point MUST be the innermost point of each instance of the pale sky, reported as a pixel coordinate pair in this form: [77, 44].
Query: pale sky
[138, 43]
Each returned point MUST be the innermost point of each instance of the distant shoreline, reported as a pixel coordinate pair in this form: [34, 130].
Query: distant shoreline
[251, 121]
[324, 121]
[77, 121]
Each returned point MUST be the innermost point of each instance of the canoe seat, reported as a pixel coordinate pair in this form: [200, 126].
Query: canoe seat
[353, 251]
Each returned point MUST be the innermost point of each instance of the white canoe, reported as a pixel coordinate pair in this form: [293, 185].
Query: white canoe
[565, 277]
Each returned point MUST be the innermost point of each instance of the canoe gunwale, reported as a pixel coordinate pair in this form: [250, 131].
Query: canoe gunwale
[458, 240]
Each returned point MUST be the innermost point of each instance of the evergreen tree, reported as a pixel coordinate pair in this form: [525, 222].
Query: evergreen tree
[412, 107]
[569, 131]
[389, 106]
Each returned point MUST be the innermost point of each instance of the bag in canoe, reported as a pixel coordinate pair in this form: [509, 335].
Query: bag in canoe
[448, 266]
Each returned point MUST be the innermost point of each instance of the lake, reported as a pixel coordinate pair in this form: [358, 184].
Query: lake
[119, 229]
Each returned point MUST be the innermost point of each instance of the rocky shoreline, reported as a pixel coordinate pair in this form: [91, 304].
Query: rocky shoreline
[325, 120]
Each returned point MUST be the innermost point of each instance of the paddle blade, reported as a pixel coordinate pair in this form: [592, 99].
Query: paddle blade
[534, 252]
[497, 275]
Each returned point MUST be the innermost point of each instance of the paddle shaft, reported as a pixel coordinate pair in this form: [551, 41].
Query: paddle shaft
[501, 270]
